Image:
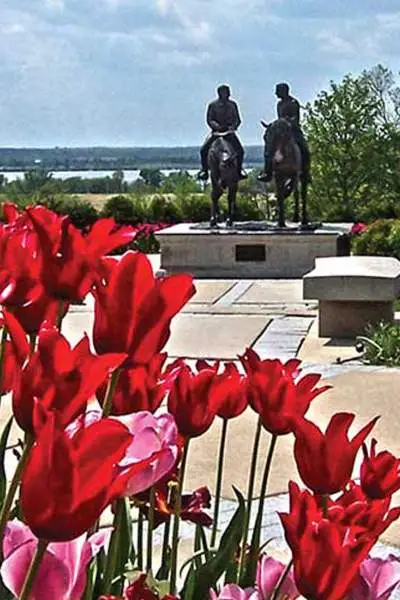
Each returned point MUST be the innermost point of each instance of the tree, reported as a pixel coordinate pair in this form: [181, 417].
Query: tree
[152, 177]
[353, 132]
[180, 183]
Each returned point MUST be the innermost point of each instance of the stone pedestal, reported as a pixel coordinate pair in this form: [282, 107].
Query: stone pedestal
[353, 291]
[255, 250]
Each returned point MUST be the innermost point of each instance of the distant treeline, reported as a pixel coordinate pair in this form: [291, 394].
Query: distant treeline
[77, 159]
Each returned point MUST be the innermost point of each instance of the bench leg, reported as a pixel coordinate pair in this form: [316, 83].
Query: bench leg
[349, 319]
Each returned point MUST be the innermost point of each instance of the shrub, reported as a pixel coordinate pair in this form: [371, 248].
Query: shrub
[125, 210]
[381, 238]
[163, 209]
[81, 212]
[382, 344]
[247, 209]
[195, 207]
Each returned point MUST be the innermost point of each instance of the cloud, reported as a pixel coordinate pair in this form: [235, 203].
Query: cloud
[105, 71]
[57, 5]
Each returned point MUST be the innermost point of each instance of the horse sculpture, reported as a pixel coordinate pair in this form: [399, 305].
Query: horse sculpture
[287, 168]
[223, 165]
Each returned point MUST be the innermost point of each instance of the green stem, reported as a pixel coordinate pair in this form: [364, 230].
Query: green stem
[5, 510]
[250, 490]
[175, 530]
[281, 581]
[113, 548]
[112, 384]
[255, 542]
[33, 568]
[218, 486]
[149, 564]
[164, 555]
[140, 541]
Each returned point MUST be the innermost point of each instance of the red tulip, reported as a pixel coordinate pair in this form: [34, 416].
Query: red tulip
[325, 461]
[327, 551]
[354, 508]
[43, 308]
[68, 482]
[231, 389]
[104, 236]
[15, 353]
[379, 473]
[275, 393]
[192, 505]
[10, 212]
[133, 310]
[61, 377]
[70, 260]
[194, 401]
[140, 387]
[66, 272]
[139, 590]
[20, 266]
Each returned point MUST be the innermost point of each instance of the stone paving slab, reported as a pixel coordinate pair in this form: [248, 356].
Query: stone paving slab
[209, 291]
[273, 290]
[283, 337]
[325, 350]
[213, 336]
[235, 293]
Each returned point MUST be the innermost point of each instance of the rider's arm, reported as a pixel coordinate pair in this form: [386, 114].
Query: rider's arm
[211, 122]
[236, 117]
[297, 112]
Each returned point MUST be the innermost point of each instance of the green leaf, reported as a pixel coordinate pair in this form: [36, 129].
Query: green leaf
[199, 581]
[3, 445]
[125, 546]
[165, 568]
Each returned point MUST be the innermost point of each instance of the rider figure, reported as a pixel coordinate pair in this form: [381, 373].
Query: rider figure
[289, 108]
[222, 115]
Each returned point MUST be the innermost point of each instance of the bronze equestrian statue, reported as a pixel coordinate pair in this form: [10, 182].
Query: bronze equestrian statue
[287, 156]
[222, 153]
[288, 108]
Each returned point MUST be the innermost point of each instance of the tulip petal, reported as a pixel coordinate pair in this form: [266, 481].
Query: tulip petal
[52, 578]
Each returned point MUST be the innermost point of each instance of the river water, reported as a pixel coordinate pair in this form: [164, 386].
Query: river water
[129, 174]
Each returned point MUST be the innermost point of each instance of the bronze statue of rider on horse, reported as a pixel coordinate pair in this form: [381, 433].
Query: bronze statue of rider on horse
[288, 108]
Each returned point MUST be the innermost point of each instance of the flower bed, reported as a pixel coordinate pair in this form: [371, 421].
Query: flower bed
[107, 425]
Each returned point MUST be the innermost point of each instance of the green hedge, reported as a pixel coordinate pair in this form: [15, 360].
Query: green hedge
[135, 210]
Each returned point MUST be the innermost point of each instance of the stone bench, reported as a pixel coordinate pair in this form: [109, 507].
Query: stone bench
[352, 291]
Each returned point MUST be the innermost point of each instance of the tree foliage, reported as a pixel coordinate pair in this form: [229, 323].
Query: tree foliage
[354, 135]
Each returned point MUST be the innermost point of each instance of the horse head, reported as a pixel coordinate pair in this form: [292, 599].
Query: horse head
[227, 161]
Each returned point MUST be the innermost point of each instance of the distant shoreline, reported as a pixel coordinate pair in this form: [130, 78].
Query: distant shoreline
[110, 159]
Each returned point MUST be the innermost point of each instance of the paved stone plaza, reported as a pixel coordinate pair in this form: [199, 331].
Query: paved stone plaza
[224, 318]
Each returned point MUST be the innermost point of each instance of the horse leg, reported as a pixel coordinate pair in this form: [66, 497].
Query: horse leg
[304, 189]
[232, 191]
[280, 196]
[216, 193]
[296, 214]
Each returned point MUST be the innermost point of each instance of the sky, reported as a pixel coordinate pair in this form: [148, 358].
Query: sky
[140, 72]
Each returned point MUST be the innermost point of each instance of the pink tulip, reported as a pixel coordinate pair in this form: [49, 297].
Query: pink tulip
[62, 572]
[269, 571]
[151, 434]
[234, 592]
[377, 579]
